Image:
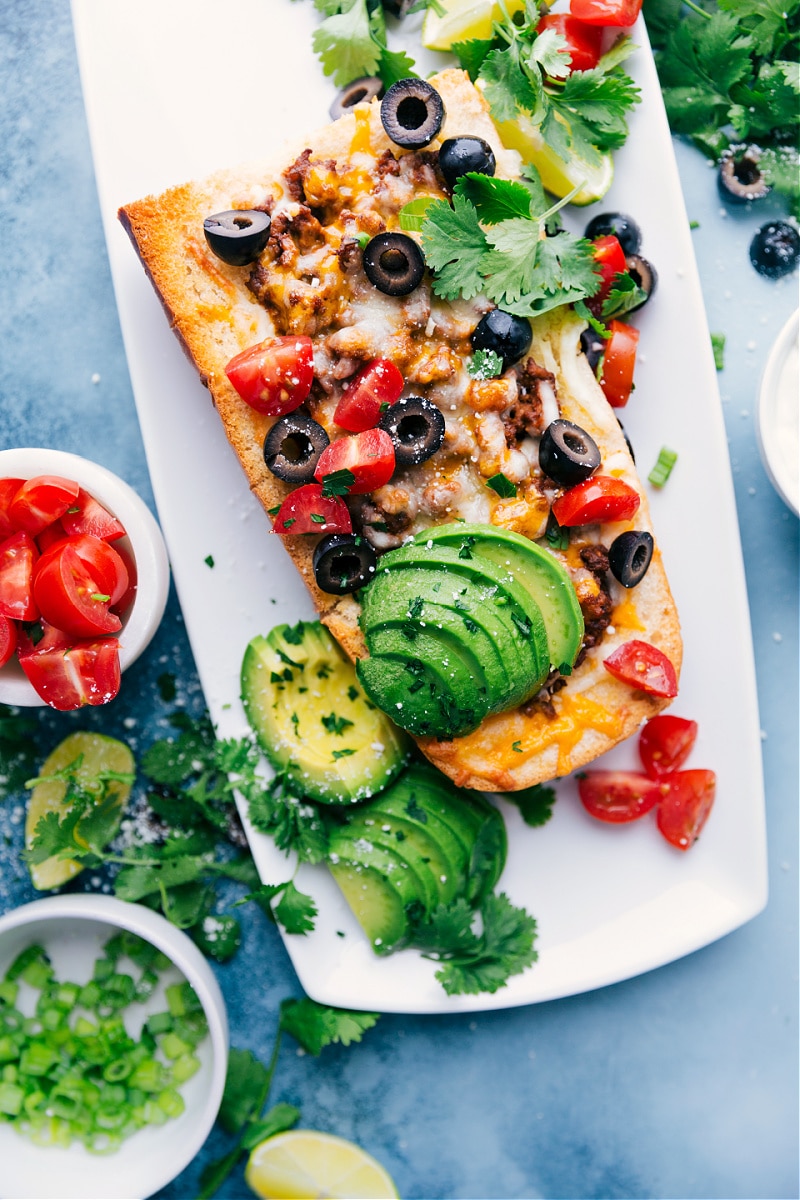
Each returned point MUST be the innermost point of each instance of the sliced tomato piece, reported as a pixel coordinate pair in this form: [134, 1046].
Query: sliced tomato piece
[106, 567]
[368, 456]
[18, 555]
[69, 597]
[8, 638]
[306, 510]
[8, 490]
[609, 259]
[40, 500]
[52, 533]
[665, 743]
[88, 515]
[275, 376]
[619, 361]
[600, 498]
[644, 667]
[85, 673]
[685, 809]
[619, 796]
[122, 605]
[365, 397]
[618, 13]
[37, 636]
[583, 41]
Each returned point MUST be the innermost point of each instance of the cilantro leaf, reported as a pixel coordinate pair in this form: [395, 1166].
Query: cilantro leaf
[478, 962]
[337, 483]
[454, 244]
[344, 43]
[495, 200]
[244, 1085]
[534, 803]
[472, 54]
[279, 1118]
[485, 364]
[316, 1026]
[623, 296]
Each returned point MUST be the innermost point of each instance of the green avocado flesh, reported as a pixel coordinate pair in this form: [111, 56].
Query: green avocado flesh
[535, 569]
[312, 719]
[420, 843]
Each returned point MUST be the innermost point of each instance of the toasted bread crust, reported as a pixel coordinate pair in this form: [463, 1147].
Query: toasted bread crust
[215, 316]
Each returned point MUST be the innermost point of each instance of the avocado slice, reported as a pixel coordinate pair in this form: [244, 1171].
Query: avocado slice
[311, 718]
[535, 568]
[418, 695]
[412, 801]
[375, 903]
[417, 890]
[415, 844]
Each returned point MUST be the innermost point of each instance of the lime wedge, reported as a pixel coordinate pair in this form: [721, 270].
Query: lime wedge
[461, 20]
[303, 1165]
[559, 176]
[98, 755]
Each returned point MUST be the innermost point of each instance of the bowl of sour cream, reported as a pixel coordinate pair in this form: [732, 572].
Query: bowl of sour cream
[779, 414]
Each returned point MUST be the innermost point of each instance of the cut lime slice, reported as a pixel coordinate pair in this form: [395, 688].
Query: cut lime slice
[559, 177]
[305, 1165]
[461, 20]
[98, 755]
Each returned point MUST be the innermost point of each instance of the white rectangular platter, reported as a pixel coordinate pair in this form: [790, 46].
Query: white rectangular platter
[175, 89]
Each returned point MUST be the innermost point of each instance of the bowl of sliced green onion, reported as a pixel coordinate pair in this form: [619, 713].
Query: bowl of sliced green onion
[113, 1050]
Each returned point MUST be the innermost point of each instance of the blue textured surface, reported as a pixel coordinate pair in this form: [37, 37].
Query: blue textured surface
[680, 1083]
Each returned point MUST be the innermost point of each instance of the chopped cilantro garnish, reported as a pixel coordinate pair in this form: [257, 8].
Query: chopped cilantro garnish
[209, 560]
[337, 754]
[336, 724]
[337, 483]
[718, 348]
[485, 364]
[501, 484]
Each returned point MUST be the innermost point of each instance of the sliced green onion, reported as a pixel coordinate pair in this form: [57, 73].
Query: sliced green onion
[182, 999]
[11, 1099]
[663, 468]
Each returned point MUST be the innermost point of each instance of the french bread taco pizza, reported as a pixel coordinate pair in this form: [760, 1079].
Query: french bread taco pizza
[394, 333]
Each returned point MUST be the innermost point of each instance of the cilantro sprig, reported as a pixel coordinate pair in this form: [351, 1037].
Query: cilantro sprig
[483, 959]
[352, 42]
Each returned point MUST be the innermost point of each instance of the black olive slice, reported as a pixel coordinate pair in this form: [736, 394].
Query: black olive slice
[238, 236]
[393, 263]
[630, 556]
[739, 178]
[628, 441]
[644, 275]
[293, 446]
[458, 156]
[416, 426]
[507, 335]
[617, 225]
[567, 453]
[343, 563]
[412, 112]
[775, 249]
[365, 88]
[593, 346]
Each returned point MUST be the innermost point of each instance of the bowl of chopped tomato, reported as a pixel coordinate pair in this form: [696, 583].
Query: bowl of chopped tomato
[84, 577]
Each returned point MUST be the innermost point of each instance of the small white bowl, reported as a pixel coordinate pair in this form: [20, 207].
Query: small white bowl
[144, 541]
[73, 930]
[779, 414]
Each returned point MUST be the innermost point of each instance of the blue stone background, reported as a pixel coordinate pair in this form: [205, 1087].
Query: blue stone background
[681, 1083]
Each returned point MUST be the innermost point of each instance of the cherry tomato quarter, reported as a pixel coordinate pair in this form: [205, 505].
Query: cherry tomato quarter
[274, 376]
[665, 743]
[306, 510]
[644, 667]
[106, 566]
[36, 638]
[619, 796]
[8, 638]
[617, 13]
[583, 41]
[600, 498]
[85, 673]
[88, 515]
[40, 500]
[368, 456]
[18, 556]
[619, 361]
[685, 808]
[8, 490]
[364, 398]
[69, 597]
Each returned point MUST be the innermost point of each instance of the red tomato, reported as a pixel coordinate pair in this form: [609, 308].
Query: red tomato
[606, 12]
[306, 510]
[369, 456]
[33, 639]
[41, 500]
[377, 384]
[106, 567]
[600, 498]
[684, 810]
[8, 490]
[644, 667]
[52, 533]
[69, 597]
[18, 554]
[8, 638]
[609, 260]
[122, 605]
[275, 376]
[665, 743]
[88, 515]
[619, 360]
[619, 796]
[583, 41]
[86, 673]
